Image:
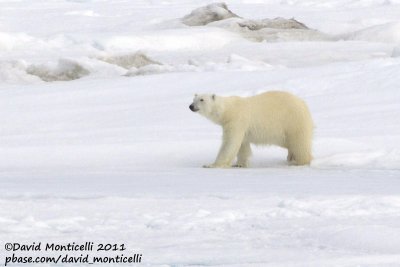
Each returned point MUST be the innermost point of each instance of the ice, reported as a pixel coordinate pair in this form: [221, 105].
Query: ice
[207, 14]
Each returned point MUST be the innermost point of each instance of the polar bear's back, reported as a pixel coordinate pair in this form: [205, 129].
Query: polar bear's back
[279, 102]
[275, 115]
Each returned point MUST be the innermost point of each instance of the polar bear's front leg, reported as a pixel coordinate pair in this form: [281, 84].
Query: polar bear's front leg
[231, 140]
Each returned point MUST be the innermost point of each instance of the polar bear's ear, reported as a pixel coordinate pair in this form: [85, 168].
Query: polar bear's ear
[213, 97]
[195, 95]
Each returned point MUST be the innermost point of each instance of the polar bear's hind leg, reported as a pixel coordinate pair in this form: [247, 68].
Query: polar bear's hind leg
[290, 157]
[299, 150]
[243, 155]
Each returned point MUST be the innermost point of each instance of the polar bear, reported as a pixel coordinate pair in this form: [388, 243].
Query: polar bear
[271, 118]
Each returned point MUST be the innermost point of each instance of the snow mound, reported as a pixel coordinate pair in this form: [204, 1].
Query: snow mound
[385, 33]
[271, 30]
[207, 14]
[116, 65]
[12, 41]
[158, 69]
[15, 72]
[150, 69]
[64, 70]
[276, 23]
[129, 61]
[233, 63]
[286, 35]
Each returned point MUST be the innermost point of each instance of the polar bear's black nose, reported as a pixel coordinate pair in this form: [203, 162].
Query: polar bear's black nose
[193, 108]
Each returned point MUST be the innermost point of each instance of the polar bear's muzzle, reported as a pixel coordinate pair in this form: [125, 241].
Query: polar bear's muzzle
[193, 108]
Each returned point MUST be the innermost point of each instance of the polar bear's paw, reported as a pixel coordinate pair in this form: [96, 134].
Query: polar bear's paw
[239, 165]
[216, 166]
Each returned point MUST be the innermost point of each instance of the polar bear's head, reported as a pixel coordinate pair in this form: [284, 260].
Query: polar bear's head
[206, 105]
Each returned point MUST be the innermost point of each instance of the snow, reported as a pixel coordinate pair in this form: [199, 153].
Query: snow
[386, 33]
[98, 143]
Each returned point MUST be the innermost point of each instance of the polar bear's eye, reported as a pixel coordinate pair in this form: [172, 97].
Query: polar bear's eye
[202, 100]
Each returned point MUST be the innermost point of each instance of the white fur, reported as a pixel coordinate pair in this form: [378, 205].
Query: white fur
[272, 118]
